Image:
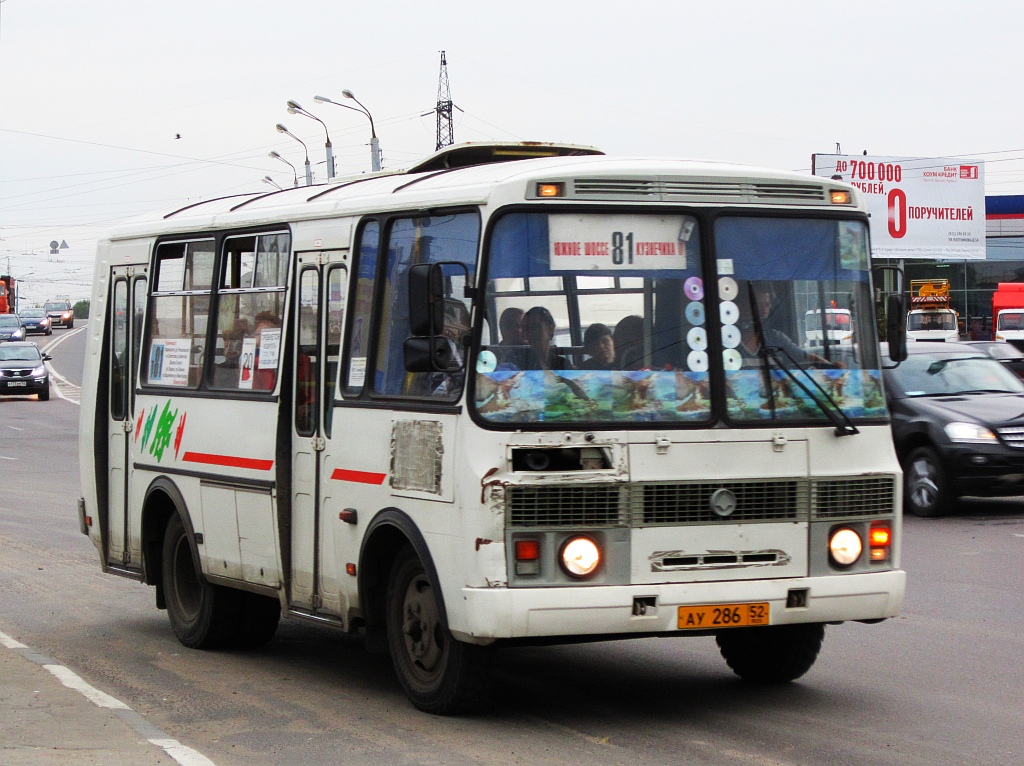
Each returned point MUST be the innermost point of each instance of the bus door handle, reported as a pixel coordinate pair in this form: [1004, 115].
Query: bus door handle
[127, 426]
[318, 443]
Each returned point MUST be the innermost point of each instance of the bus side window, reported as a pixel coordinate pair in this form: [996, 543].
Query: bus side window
[431, 239]
[250, 307]
[176, 336]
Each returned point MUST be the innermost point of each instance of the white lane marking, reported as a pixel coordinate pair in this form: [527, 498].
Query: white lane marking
[57, 341]
[4, 457]
[64, 382]
[60, 378]
[91, 693]
[186, 756]
[10, 643]
[15, 428]
[182, 754]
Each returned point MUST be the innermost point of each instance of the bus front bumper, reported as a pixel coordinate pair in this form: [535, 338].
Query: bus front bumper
[497, 613]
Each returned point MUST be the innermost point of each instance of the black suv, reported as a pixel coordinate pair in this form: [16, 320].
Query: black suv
[958, 425]
[60, 313]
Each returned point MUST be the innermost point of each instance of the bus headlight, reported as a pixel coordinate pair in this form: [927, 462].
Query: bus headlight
[580, 557]
[845, 546]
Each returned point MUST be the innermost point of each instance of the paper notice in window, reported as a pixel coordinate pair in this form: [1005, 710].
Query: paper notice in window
[270, 349]
[168, 361]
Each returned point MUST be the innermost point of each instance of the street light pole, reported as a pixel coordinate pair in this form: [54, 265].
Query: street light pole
[374, 143]
[294, 108]
[295, 175]
[309, 173]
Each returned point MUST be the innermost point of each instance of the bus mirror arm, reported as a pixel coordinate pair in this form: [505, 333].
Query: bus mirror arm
[431, 354]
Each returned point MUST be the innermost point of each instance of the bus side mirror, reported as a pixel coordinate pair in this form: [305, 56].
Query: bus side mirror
[431, 354]
[896, 328]
[426, 299]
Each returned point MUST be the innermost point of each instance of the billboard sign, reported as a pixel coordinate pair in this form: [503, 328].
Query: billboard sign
[920, 207]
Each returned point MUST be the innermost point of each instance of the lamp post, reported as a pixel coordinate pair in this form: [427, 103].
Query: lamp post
[294, 108]
[374, 143]
[272, 182]
[295, 175]
[309, 173]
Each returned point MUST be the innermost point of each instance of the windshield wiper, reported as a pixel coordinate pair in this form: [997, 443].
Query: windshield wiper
[837, 416]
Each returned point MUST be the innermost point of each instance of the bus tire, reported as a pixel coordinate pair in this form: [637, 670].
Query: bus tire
[203, 616]
[260, 616]
[439, 674]
[927, 491]
[771, 655]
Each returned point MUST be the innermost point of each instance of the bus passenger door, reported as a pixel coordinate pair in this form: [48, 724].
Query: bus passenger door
[321, 283]
[127, 305]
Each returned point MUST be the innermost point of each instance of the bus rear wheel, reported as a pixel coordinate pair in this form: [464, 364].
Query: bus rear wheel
[203, 616]
[439, 674]
[772, 655]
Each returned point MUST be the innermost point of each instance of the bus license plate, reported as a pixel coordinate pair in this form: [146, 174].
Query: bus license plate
[714, 616]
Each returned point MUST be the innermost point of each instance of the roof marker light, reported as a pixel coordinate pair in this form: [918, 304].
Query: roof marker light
[550, 190]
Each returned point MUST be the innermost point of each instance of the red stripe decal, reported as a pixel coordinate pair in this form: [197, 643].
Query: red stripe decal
[1004, 216]
[362, 477]
[228, 460]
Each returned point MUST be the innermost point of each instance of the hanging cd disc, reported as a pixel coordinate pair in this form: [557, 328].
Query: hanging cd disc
[697, 361]
[731, 359]
[730, 336]
[729, 312]
[695, 313]
[697, 338]
[694, 288]
[727, 288]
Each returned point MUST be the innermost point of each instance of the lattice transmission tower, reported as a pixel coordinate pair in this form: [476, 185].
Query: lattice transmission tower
[445, 135]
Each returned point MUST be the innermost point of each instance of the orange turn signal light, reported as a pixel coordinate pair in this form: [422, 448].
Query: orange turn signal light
[550, 190]
[840, 197]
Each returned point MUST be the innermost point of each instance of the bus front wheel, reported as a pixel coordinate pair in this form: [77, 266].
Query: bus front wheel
[775, 654]
[439, 674]
[203, 616]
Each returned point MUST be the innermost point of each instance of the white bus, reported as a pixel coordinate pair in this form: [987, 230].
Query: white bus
[484, 402]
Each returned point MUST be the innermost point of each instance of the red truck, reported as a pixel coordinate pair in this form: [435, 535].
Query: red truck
[1008, 313]
[6, 294]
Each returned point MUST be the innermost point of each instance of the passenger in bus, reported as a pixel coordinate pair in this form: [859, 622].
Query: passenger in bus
[599, 348]
[539, 329]
[629, 343]
[511, 326]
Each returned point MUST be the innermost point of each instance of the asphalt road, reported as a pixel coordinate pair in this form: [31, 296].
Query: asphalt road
[941, 684]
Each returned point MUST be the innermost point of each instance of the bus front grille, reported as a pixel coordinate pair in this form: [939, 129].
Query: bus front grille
[598, 505]
[700, 502]
[853, 497]
[693, 503]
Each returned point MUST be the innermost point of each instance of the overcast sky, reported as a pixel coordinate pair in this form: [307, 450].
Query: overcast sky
[93, 95]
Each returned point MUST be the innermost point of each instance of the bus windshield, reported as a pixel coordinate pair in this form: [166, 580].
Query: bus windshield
[618, 319]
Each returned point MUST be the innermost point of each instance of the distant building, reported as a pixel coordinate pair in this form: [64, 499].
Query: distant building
[973, 282]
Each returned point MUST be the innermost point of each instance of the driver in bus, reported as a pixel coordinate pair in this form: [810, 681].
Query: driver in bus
[764, 301]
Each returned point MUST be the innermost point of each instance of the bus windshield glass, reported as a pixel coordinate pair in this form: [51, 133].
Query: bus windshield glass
[616, 319]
